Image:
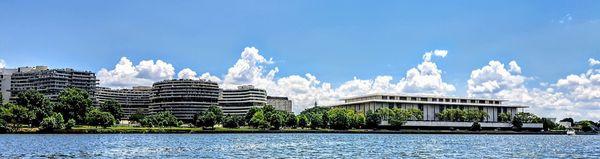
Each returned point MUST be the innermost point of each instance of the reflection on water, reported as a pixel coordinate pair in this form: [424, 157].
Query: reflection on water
[297, 146]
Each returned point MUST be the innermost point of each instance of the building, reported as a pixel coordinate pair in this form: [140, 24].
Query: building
[132, 101]
[184, 97]
[239, 101]
[5, 84]
[51, 82]
[431, 105]
[280, 103]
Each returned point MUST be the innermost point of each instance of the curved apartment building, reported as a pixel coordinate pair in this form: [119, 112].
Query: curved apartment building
[183, 97]
[135, 100]
[239, 101]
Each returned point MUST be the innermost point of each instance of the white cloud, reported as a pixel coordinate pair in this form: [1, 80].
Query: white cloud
[565, 18]
[593, 62]
[2, 63]
[514, 67]
[125, 74]
[575, 96]
[252, 68]
[188, 73]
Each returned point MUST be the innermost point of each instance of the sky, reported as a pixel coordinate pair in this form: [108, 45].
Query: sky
[544, 55]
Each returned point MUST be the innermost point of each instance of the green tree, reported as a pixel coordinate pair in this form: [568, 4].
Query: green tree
[452, 115]
[37, 103]
[161, 119]
[53, 122]
[259, 120]
[504, 117]
[316, 120]
[232, 121]
[528, 117]
[475, 115]
[339, 119]
[73, 103]
[251, 113]
[70, 124]
[137, 117]
[517, 123]
[216, 110]
[205, 119]
[3, 126]
[302, 121]
[586, 125]
[17, 115]
[113, 107]
[291, 120]
[359, 119]
[317, 110]
[96, 117]
[399, 117]
[276, 120]
[548, 124]
[373, 119]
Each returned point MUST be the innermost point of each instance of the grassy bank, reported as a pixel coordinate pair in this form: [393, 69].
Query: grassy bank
[221, 130]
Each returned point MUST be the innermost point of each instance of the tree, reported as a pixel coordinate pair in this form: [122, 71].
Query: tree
[70, 124]
[399, 117]
[517, 123]
[276, 120]
[3, 126]
[476, 126]
[373, 119]
[113, 107]
[53, 122]
[17, 115]
[586, 125]
[96, 117]
[339, 119]
[568, 120]
[73, 103]
[475, 115]
[359, 119]
[232, 121]
[317, 110]
[548, 124]
[316, 120]
[291, 120]
[302, 121]
[504, 117]
[259, 121]
[216, 110]
[251, 113]
[528, 117]
[205, 119]
[452, 115]
[326, 121]
[137, 117]
[37, 103]
[161, 119]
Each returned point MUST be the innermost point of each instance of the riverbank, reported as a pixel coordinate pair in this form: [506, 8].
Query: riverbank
[221, 130]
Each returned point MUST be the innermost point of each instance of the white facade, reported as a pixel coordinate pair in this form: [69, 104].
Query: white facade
[430, 105]
[280, 103]
[239, 101]
[132, 101]
[5, 83]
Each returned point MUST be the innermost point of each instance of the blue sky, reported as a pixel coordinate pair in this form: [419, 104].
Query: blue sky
[334, 41]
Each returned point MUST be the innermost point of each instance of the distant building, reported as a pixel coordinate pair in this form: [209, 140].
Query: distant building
[5, 83]
[431, 105]
[566, 124]
[280, 103]
[132, 101]
[239, 101]
[183, 97]
[51, 82]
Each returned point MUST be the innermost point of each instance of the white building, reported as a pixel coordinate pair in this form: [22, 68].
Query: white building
[280, 103]
[239, 101]
[132, 101]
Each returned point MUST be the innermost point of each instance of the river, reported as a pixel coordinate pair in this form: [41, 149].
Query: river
[297, 146]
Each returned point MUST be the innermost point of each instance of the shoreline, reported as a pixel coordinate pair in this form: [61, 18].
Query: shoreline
[141, 130]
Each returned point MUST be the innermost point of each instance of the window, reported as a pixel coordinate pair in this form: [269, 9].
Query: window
[413, 98]
[421, 107]
[497, 102]
[499, 110]
[463, 101]
[482, 101]
[454, 100]
[423, 99]
[434, 99]
[402, 98]
[504, 110]
[472, 101]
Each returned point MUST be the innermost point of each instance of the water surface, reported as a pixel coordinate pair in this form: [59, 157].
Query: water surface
[297, 146]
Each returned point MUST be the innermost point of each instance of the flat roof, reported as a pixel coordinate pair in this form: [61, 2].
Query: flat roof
[423, 96]
[426, 102]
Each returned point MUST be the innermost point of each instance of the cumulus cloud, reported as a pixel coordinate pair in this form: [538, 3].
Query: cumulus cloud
[575, 96]
[125, 74]
[2, 63]
[188, 73]
[593, 62]
[253, 68]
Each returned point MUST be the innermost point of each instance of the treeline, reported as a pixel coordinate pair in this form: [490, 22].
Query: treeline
[73, 106]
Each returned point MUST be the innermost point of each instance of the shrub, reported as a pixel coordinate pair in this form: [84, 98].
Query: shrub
[504, 117]
[3, 126]
[302, 121]
[161, 119]
[517, 123]
[291, 120]
[230, 121]
[53, 122]
[70, 124]
[95, 117]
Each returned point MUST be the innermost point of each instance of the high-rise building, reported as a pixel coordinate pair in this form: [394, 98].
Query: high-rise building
[280, 103]
[51, 82]
[239, 101]
[5, 83]
[183, 97]
[132, 101]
